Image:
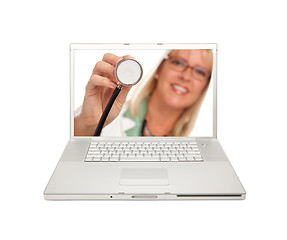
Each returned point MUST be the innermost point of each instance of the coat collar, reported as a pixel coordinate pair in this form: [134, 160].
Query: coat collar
[138, 120]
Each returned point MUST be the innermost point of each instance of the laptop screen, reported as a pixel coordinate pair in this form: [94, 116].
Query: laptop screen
[174, 98]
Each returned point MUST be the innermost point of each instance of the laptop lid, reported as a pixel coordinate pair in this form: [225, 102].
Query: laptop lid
[163, 68]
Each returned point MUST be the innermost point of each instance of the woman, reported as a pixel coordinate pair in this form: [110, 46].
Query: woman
[165, 104]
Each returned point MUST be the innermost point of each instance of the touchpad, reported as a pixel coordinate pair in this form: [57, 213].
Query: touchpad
[144, 177]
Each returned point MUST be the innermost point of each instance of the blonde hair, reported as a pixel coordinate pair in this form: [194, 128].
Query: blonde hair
[186, 121]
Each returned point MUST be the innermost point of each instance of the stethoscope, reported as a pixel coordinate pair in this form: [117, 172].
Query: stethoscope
[128, 72]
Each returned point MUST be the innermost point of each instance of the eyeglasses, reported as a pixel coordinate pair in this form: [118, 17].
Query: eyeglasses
[180, 65]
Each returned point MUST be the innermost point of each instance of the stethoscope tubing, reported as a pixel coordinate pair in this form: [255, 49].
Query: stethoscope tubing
[107, 110]
[114, 95]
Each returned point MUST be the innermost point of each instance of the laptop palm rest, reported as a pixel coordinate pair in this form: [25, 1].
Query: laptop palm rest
[144, 177]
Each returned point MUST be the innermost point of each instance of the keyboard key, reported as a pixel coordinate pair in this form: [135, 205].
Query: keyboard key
[94, 151]
[94, 155]
[96, 159]
[199, 160]
[144, 159]
[164, 155]
[192, 152]
[88, 160]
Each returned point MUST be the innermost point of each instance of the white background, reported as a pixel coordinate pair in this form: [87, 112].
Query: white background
[34, 98]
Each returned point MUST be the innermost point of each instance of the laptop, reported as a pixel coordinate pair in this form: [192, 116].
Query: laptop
[158, 142]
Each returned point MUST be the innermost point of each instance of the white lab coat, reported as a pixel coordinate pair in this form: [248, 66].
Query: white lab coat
[119, 125]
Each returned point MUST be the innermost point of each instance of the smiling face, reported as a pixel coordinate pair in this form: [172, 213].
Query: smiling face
[183, 77]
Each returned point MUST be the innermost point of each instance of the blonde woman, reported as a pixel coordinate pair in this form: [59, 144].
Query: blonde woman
[166, 103]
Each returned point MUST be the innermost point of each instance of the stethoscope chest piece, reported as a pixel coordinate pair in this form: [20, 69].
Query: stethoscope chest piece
[128, 71]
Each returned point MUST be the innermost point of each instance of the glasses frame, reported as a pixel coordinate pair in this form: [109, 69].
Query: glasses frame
[170, 58]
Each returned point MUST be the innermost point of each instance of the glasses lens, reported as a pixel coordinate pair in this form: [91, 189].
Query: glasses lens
[199, 73]
[181, 65]
[178, 64]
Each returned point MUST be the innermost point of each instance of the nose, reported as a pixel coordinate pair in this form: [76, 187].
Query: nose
[186, 74]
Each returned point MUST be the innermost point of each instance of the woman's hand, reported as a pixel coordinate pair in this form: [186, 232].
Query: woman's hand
[99, 89]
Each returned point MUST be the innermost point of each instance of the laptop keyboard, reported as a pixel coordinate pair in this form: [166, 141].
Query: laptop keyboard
[144, 151]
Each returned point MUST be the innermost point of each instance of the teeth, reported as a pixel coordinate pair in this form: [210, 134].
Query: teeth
[179, 88]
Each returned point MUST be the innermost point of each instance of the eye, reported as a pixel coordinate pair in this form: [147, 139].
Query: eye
[200, 71]
[178, 63]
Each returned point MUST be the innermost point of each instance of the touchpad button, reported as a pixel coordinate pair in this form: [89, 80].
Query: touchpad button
[144, 177]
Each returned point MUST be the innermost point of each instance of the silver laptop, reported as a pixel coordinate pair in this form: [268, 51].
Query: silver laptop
[158, 141]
